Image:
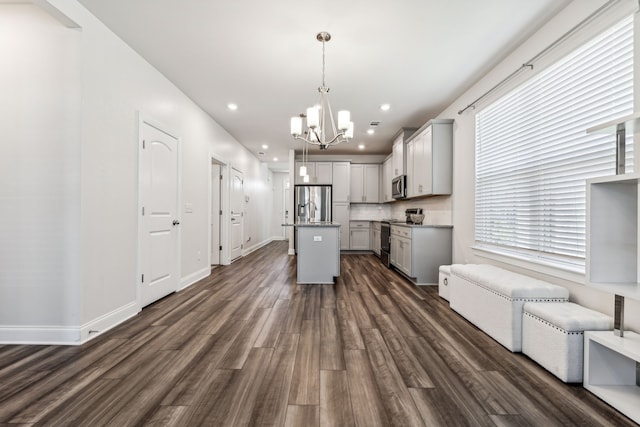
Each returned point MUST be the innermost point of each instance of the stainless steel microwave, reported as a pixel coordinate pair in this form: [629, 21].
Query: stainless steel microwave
[399, 187]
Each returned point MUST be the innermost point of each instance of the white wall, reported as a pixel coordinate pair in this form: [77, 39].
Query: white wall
[39, 174]
[73, 170]
[278, 184]
[462, 200]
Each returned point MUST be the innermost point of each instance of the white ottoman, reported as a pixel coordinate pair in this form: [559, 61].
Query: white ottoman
[444, 275]
[552, 335]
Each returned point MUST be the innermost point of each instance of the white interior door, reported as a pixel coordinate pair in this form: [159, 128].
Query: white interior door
[159, 221]
[215, 213]
[237, 214]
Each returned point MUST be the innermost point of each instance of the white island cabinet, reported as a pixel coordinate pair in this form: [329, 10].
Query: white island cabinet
[318, 257]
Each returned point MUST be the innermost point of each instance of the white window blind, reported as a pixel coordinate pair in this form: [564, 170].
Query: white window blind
[533, 154]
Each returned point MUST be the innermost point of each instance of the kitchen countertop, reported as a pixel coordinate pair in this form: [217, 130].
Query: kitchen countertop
[404, 224]
[314, 224]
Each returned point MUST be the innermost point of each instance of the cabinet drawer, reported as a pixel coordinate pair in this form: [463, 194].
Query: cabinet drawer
[359, 224]
[401, 231]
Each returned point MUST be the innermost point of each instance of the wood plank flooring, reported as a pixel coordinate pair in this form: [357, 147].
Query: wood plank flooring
[247, 346]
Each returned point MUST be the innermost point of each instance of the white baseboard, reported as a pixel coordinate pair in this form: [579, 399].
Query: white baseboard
[67, 335]
[102, 324]
[189, 280]
[257, 246]
[40, 335]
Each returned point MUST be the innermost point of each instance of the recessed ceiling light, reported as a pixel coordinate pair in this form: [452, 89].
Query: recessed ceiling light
[371, 131]
[361, 146]
[385, 107]
[275, 159]
[265, 146]
[231, 106]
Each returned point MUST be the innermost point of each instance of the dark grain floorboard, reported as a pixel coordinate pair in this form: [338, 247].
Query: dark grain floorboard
[248, 346]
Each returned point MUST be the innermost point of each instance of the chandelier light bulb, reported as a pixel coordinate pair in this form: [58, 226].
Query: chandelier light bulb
[344, 117]
[313, 117]
[349, 132]
[296, 126]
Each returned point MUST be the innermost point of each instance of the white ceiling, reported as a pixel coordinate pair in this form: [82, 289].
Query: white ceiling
[417, 55]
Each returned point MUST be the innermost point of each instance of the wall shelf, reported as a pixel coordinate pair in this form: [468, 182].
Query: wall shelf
[630, 123]
[612, 234]
[610, 370]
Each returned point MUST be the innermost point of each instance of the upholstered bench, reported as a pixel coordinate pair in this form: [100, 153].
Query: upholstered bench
[492, 298]
[553, 336]
[444, 275]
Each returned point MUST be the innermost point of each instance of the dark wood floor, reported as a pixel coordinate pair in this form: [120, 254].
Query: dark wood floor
[248, 346]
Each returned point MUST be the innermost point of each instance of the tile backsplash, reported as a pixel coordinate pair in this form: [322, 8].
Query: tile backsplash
[370, 212]
[437, 210]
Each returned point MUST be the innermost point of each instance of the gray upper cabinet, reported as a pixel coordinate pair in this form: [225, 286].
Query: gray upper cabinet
[365, 183]
[386, 189]
[319, 173]
[430, 159]
[399, 155]
[324, 173]
[341, 182]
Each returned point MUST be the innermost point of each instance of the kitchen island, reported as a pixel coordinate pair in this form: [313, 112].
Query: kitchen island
[318, 247]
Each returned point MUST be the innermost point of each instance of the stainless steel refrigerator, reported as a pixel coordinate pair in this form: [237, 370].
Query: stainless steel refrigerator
[313, 203]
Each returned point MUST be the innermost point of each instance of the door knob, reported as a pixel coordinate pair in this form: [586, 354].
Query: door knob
[176, 222]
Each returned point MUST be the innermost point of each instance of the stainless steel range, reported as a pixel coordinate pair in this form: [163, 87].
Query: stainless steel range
[385, 242]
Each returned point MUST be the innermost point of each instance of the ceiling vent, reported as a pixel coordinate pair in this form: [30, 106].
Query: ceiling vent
[374, 123]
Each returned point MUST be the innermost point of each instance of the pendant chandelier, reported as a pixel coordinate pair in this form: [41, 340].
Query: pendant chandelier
[320, 117]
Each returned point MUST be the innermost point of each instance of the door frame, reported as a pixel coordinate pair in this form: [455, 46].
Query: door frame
[224, 206]
[142, 119]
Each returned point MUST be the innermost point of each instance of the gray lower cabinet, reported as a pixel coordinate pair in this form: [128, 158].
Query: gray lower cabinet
[341, 216]
[375, 237]
[419, 251]
[359, 235]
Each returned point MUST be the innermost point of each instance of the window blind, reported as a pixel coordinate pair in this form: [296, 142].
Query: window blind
[533, 154]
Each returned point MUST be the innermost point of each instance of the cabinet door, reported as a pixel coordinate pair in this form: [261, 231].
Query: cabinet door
[341, 216]
[357, 183]
[410, 173]
[406, 257]
[419, 166]
[394, 247]
[371, 183]
[427, 156]
[360, 239]
[324, 173]
[341, 181]
[422, 166]
[398, 157]
[399, 253]
[387, 169]
[375, 241]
